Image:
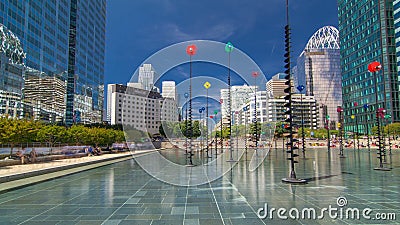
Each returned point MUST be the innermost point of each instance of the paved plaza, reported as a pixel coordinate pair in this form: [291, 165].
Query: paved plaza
[123, 193]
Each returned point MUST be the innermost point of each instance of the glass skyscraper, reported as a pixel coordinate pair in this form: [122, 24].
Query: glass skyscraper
[318, 69]
[367, 34]
[66, 39]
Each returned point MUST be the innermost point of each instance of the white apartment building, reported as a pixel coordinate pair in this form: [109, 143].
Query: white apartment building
[168, 89]
[141, 109]
[239, 96]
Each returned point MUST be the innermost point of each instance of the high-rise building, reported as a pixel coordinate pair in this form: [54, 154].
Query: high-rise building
[65, 39]
[11, 74]
[146, 76]
[169, 90]
[239, 96]
[318, 69]
[366, 40]
[276, 85]
[138, 108]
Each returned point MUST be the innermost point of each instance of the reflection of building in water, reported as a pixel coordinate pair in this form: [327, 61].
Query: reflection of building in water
[11, 74]
[139, 108]
[44, 96]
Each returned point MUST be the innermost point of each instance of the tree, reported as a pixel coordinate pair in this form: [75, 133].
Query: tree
[14, 131]
[78, 134]
[52, 134]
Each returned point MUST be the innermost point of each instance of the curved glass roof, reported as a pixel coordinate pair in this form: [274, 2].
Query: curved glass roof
[325, 38]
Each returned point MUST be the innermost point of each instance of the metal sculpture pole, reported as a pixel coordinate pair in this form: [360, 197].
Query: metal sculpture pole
[340, 126]
[228, 49]
[190, 50]
[255, 119]
[301, 88]
[207, 85]
[292, 154]
[245, 129]
[388, 116]
[374, 68]
[367, 128]
[354, 135]
[216, 131]
[201, 110]
[221, 136]
[186, 125]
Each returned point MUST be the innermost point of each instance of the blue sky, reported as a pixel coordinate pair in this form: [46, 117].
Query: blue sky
[139, 28]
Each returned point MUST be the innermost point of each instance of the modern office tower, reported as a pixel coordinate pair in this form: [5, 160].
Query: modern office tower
[146, 76]
[11, 74]
[239, 96]
[141, 109]
[44, 97]
[319, 67]
[365, 40]
[276, 85]
[169, 90]
[66, 39]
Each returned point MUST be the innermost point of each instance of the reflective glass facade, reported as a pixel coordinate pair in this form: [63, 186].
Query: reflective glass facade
[45, 29]
[320, 68]
[366, 35]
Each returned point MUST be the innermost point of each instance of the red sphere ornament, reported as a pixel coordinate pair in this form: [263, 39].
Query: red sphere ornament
[191, 50]
[374, 67]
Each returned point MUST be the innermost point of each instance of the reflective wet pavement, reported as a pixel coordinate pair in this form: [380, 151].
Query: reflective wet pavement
[123, 193]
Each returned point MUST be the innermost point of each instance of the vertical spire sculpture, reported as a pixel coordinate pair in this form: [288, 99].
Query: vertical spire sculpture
[289, 113]
[190, 50]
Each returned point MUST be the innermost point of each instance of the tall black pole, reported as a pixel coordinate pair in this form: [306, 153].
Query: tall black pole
[340, 113]
[374, 68]
[190, 115]
[358, 140]
[186, 128]
[289, 113]
[367, 128]
[230, 105]
[208, 156]
[255, 74]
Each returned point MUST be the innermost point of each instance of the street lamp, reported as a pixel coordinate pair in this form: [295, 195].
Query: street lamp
[374, 68]
[301, 88]
[186, 124]
[190, 50]
[207, 85]
[366, 124]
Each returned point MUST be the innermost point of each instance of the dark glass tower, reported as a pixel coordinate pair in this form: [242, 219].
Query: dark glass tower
[64, 38]
[366, 35]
